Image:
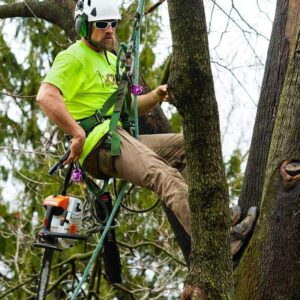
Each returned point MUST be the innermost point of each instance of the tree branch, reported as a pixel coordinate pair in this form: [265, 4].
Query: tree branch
[58, 281]
[153, 7]
[124, 289]
[58, 12]
[154, 245]
[16, 96]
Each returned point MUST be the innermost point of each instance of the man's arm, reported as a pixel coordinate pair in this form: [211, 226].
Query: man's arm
[52, 104]
[147, 102]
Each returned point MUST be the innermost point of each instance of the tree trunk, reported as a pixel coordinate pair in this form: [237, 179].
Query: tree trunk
[286, 21]
[270, 267]
[191, 83]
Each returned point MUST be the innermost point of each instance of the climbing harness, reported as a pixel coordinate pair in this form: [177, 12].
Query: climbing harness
[64, 215]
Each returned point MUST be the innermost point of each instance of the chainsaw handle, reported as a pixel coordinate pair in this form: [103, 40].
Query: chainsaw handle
[59, 164]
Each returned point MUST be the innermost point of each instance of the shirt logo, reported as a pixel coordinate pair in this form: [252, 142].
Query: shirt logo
[108, 80]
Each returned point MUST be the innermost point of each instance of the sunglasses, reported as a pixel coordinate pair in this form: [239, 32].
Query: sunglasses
[105, 24]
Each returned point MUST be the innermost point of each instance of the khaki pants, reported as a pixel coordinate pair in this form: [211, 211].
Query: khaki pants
[154, 162]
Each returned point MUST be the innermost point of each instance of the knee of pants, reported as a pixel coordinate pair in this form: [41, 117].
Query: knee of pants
[173, 191]
[167, 182]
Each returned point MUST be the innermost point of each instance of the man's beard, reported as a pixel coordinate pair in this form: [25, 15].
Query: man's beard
[104, 45]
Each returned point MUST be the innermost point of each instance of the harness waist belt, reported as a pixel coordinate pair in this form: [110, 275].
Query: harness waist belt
[91, 122]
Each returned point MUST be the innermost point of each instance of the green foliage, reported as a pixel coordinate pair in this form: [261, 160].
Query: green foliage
[4, 215]
[233, 174]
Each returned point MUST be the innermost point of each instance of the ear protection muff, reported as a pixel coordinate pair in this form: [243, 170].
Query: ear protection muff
[80, 22]
[81, 26]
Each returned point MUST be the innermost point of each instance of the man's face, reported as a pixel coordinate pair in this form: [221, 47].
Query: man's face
[103, 39]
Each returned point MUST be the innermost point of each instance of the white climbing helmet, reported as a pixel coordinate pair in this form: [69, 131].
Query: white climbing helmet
[97, 10]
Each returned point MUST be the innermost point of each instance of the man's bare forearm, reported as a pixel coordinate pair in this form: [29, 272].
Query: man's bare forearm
[146, 103]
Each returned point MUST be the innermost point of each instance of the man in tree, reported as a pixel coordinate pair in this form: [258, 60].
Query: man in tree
[79, 83]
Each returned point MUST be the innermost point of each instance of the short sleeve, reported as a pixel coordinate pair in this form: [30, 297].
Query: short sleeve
[67, 74]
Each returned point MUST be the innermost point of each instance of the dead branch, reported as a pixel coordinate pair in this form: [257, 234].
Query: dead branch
[153, 7]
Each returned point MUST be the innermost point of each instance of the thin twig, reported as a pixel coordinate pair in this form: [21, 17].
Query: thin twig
[31, 180]
[152, 8]
[154, 245]
[28, 152]
[124, 289]
[236, 23]
[58, 281]
[237, 79]
[17, 96]
[242, 18]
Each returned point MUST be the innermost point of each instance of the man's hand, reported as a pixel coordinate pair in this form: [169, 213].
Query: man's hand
[161, 93]
[77, 144]
[147, 102]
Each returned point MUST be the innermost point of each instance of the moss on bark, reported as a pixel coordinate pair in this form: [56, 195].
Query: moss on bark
[191, 84]
[270, 267]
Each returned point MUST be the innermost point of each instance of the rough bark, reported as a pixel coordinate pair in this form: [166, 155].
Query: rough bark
[191, 83]
[286, 21]
[59, 12]
[270, 267]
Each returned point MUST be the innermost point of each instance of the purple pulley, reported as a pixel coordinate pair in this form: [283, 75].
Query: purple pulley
[136, 89]
[77, 175]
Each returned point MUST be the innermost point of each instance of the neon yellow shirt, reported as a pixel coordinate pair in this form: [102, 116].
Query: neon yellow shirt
[86, 80]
